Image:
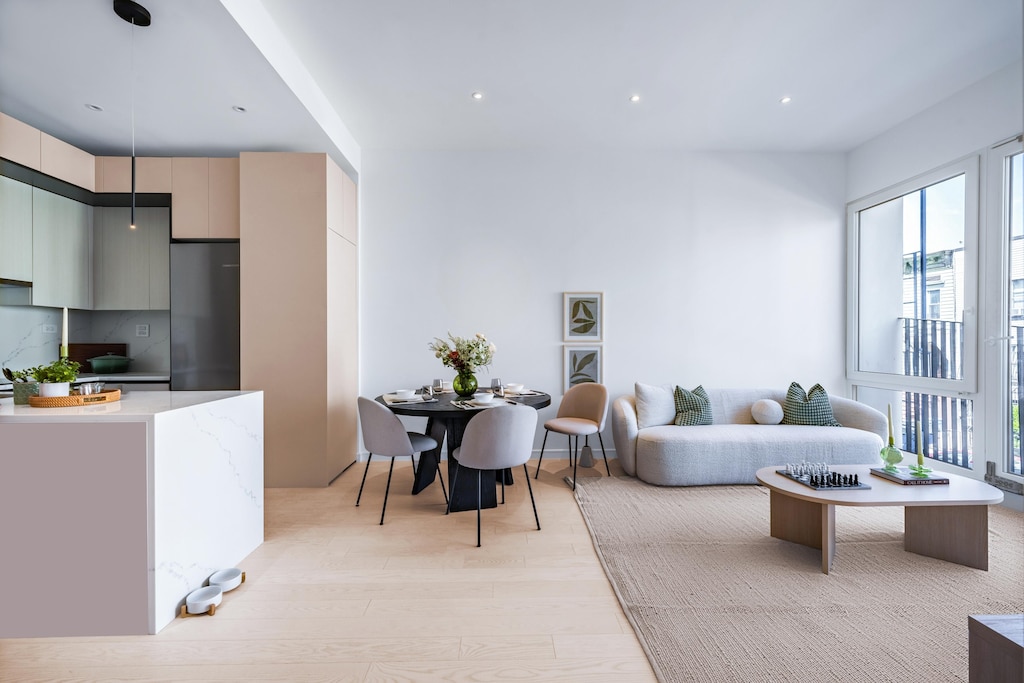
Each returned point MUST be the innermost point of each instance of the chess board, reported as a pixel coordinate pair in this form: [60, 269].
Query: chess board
[826, 481]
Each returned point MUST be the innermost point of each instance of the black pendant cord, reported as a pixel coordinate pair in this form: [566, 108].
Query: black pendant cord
[136, 15]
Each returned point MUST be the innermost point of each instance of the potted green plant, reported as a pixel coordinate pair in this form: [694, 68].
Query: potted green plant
[55, 379]
[21, 385]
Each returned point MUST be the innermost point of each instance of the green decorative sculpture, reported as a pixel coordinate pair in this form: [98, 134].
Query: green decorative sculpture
[891, 455]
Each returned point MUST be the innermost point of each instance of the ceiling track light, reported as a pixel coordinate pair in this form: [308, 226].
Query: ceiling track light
[136, 15]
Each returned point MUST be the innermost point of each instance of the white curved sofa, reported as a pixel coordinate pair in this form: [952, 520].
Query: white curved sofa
[734, 447]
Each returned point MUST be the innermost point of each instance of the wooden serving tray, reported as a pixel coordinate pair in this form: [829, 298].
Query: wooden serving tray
[108, 396]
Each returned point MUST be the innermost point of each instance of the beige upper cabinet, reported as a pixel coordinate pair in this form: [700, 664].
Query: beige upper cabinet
[152, 174]
[15, 230]
[61, 251]
[66, 162]
[204, 198]
[19, 142]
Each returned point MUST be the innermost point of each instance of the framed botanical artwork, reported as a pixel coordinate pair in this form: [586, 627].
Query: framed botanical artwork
[581, 364]
[582, 316]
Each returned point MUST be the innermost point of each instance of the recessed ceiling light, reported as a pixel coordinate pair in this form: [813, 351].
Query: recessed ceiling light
[94, 107]
[477, 95]
[634, 98]
[240, 110]
[786, 100]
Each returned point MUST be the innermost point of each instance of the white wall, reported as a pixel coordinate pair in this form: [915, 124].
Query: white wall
[973, 119]
[722, 269]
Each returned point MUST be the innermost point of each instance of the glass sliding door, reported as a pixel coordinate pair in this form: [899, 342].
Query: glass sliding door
[913, 314]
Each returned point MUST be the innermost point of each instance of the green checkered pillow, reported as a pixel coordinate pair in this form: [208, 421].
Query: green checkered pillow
[692, 407]
[808, 408]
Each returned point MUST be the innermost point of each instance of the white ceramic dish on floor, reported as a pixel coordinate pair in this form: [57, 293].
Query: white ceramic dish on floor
[201, 599]
[227, 579]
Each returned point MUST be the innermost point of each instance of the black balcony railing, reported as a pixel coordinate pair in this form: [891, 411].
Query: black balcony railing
[934, 348]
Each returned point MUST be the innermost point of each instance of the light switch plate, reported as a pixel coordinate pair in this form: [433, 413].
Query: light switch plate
[142, 330]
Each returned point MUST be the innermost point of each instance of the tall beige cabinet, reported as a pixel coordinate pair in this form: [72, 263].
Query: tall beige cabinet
[299, 337]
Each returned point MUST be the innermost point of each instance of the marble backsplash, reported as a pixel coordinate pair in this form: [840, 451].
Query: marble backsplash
[30, 335]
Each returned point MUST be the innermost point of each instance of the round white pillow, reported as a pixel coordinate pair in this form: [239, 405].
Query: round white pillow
[766, 412]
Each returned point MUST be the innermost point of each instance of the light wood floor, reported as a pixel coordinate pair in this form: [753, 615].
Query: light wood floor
[332, 596]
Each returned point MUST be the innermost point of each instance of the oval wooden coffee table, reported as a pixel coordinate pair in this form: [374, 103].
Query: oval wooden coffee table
[945, 521]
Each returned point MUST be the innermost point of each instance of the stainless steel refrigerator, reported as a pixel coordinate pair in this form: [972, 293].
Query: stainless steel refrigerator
[204, 316]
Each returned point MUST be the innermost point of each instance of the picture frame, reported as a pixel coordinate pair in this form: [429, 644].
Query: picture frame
[583, 316]
[581, 363]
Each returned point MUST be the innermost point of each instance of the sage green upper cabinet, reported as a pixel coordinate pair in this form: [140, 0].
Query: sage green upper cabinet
[15, 230]
[130, 267]
[61, 251]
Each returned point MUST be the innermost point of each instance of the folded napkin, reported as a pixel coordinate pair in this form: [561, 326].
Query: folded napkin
[469, 405]
[392, 399]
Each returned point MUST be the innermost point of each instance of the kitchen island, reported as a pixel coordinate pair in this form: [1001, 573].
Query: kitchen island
[110, 514]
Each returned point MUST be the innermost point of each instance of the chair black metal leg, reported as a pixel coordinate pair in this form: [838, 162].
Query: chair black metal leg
[532, 501]
[543, 443]
[575, 464]
[572, 452]
[441, 479]
[604, 455]
[455, 478]
[386, 489]
[478, 496]
[369, 457]
[502, 475]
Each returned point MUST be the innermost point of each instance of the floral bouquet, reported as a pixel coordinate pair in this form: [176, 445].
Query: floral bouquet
[464, 355]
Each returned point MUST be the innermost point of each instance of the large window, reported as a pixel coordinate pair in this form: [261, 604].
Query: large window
[913, 313]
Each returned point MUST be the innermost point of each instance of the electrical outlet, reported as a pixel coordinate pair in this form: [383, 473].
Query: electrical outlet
[142, 330]
[49, 329]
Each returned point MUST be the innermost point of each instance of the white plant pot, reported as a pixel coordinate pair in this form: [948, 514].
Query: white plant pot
[54, 388]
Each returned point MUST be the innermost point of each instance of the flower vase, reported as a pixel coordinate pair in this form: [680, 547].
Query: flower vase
[464, 384]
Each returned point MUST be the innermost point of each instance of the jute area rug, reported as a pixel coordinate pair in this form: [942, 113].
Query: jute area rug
[713, 597]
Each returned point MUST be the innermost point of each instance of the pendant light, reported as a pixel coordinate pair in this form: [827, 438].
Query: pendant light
[136, 15]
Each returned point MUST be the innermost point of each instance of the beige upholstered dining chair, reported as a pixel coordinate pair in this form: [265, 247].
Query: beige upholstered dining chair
[581, 413]
[497, 439]
[384, 434]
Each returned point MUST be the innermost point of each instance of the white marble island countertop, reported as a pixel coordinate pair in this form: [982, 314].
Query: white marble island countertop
[133, 405]
[162, 488]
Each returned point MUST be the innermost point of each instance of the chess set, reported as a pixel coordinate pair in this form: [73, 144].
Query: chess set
[818, 476]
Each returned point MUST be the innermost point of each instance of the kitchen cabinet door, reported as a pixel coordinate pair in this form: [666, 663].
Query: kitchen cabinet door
[120, 261]
[61, 251]
[159, 228]
[204, 198]
[131, 270]
[15, 230]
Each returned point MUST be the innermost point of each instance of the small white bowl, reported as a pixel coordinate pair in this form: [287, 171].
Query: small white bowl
[405, 393]
[515, 388]
[483, 397]
[227, 579]
[201, 599]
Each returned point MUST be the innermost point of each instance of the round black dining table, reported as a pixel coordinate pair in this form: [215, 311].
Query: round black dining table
[447, 422]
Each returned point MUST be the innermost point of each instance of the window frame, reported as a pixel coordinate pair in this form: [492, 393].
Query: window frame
[969, 167]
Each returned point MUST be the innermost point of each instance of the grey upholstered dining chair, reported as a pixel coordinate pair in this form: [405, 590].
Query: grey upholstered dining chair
[581, 413]
[384, 434]
[497, 439]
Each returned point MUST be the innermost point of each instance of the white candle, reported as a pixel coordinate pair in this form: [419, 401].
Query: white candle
[64, 335]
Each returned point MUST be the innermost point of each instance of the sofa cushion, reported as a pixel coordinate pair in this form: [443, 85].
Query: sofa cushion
[692, 407]
[766, 412]
[808, 408]
[655, 405]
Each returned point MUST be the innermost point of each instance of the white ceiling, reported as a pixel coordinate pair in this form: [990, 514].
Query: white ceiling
[555, 73]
